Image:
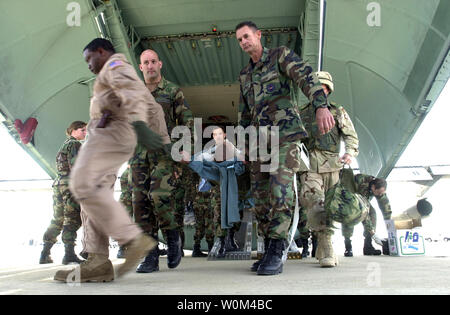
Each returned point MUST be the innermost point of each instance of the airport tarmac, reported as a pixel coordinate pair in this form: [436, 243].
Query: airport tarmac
[371, 275]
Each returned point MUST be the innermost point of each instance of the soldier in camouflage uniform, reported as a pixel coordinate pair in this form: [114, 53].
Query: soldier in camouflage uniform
[66, 211]
[325, 165]
[226, 236]
[165, 181]
[368, 186]
[265, 101]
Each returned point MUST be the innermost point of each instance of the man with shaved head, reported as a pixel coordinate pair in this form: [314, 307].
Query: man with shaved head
[162, 179]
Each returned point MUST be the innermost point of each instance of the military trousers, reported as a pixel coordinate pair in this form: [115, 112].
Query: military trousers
[126, 191]
[302, 228]
[66, 215]
[313, 187]
[92, 183]
[273, 192]
[164, 185]
[180, 205]
[204, 218]
[141, 203]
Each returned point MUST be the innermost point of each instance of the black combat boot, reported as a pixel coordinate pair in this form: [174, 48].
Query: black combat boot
[70, 256]
[210, 245]
[231, 243]
[150, 263]
[121, 252]
[84, 254]
[162, 251]
[348, 248]
[174, 248]
[222, 249]
[305, 251]
[385, 243]
[45, 254]
[182, 242]
[197, 252]
[314, 245]
[272, 264]
[256, 264]
[368, 249]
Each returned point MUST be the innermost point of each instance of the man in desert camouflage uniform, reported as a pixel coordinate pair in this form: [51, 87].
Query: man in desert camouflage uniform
[325, 164]
[165, 174]
[368, 186]
[122, 114]
[66, 211]
[265, 101]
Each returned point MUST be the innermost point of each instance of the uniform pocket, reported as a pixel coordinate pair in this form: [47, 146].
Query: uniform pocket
[290, 155]
[271, 84]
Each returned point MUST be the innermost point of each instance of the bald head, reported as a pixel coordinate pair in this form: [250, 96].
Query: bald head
[150, 66]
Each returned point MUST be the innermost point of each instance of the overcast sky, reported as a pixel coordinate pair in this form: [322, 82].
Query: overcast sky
[430, 143]
[15, 163]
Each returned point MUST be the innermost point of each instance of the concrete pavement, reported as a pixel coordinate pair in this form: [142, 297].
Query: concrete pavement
[197, 276]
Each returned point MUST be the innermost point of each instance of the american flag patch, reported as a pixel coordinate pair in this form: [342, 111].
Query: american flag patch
[115, 63]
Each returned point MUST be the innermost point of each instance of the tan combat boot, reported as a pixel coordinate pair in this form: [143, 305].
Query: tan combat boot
[325, 253]
[96, 268]
[136, 250]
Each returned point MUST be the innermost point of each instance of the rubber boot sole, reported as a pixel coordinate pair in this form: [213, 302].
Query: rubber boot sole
[106, 278]
[70, 276]
[328, 262]
[147, 271]
[269, 272]
[372, 253]
[255, 265]
[199, 255]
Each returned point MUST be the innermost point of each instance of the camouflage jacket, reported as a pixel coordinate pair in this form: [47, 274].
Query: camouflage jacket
[362, 182]
[125, 181]
[176, 110]
[324, 150]
[66, 157]
[265, 88]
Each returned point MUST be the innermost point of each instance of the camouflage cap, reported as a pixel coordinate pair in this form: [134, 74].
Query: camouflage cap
[325, 78]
